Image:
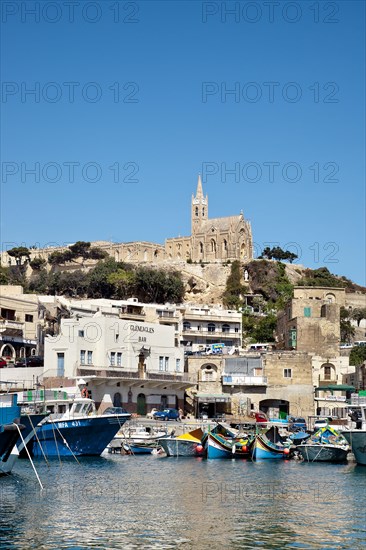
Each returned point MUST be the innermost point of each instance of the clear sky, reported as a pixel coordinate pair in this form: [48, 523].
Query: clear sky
[131, 100]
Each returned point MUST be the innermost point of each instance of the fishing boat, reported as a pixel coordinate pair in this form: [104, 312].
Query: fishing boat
[187, 444]
[326, 445]
[73, 427]
[136, 440]
[270, 445]
[219, 446]
[357, 437]
[9, 432]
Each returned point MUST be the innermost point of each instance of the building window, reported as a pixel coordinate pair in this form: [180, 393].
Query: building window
[113, 358]
[81, 333]
[90, 358]
[327, 372]
[307, 311]
[116, 337]
[186, 325]
[201, 248]
[236, 329]
[82, 356]
[177, 365]
[28, 318]
[287, 373]
[196, 211]
[225, 327]
[211, 327]
[119, 358]
[166, 364]
[161, 363]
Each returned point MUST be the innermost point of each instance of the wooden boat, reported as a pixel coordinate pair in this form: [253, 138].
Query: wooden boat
[187, 444]
[270, 445]
[357, 438]
[326, 445]
[220, 447]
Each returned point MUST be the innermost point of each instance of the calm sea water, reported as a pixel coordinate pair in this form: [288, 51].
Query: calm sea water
[147, 502]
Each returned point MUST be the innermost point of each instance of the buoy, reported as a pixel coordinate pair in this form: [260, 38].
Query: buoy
[244, 448]
[199, 448]
[286, 451]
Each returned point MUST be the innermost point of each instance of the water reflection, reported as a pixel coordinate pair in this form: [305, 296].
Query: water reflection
[145, 502]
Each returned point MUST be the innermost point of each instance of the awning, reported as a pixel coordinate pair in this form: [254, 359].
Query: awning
[335, 387]
[213, 397]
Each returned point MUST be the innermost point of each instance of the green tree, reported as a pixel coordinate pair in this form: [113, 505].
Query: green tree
[233, 295]
[4, 275]
[358, 314]
[357, 356]
[99, 286]
[19, 253]
[39, 282]
[96, 253]
[123, 282]
[37, 263]
[59, 258]
[320, 277]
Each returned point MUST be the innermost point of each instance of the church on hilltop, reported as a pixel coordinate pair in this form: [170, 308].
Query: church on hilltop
[212, 240]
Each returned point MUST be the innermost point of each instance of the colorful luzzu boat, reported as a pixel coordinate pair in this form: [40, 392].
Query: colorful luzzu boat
[270, 445]
[220, 447]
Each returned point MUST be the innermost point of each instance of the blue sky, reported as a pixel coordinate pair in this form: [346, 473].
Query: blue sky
[147, 89]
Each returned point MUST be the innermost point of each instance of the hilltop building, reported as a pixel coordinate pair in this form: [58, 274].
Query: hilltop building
[211, 240]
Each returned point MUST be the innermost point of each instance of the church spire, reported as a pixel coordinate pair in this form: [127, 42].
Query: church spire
[199, 192]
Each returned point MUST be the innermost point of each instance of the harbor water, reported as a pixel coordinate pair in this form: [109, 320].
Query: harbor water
[133, 502]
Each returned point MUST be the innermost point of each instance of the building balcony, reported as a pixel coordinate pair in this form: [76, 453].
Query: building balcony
[6, 324]
[204, 333]
[121, 372]
[167, 314]
[234, 380]
[212, 316]
[132, 316]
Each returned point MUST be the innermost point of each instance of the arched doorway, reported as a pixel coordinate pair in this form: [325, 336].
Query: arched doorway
[275, 408]
[141, 404]
[7, 351]
[117, 399]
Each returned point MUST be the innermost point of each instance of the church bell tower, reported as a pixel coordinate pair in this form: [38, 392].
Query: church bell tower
[199, 211]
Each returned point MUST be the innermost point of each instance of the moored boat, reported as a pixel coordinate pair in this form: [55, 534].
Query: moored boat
[187, 444]
[326, 445]
[270, 445]
[136, 439]
[76, 431]
[9, 432]
[357, 438]
[220, 447]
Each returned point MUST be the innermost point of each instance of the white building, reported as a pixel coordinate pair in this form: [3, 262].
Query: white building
[130, 363]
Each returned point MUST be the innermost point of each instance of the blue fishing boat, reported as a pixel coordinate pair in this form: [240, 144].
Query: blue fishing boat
[79, 431]
[9, 432]
[219, 446]
[270, 445]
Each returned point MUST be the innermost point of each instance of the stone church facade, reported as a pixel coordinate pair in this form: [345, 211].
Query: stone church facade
[212, 240]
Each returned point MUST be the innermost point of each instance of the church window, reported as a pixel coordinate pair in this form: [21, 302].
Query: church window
[224, 245]
[213, 245]
[201, 248]
[211, 327]
[196, 211]
[203, 212]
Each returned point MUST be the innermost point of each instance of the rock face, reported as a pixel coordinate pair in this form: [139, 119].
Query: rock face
[204, 283]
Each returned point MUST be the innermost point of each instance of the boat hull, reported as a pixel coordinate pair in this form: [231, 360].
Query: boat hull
[323, 453]
[264, 449]
[357, 440]
[86, 436]
[181, 447]
[8, 451]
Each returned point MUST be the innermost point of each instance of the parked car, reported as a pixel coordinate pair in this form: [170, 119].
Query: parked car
[3, 363]
[166, 414]
[297, 423]
[32, 361]
[151, 413]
